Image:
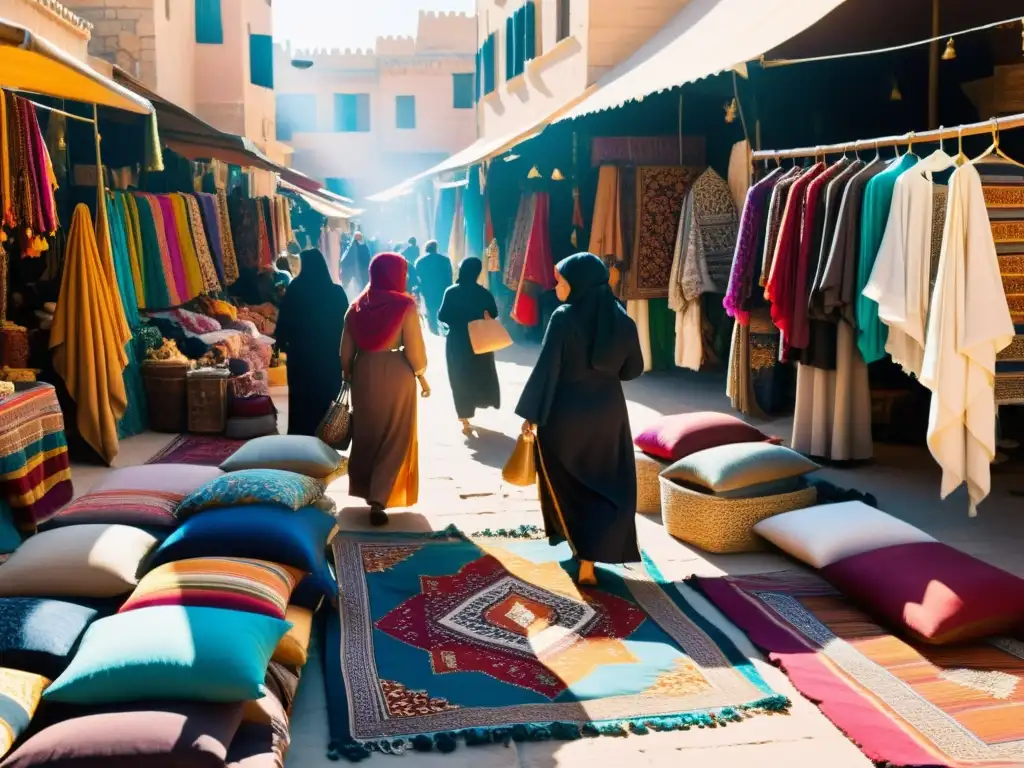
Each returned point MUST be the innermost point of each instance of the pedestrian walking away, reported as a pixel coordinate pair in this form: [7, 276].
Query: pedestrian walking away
[433, 276]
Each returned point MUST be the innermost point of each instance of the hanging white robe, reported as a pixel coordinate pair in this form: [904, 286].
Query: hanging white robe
[968, 326]
[639, 310]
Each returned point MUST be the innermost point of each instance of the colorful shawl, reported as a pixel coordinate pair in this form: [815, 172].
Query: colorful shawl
[211, 222]
[515, 257]
[211, 282]
[538, 273]
[130, 215]
[189, 259]
[227, 240]
[174, 254]
[156, 276]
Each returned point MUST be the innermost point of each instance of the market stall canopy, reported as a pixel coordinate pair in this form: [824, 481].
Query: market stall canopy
[321, 202]
[706, 37]
[30, 63]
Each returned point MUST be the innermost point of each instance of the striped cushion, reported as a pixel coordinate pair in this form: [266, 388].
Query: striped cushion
[139, 508]
[20, 693]
[257, 586]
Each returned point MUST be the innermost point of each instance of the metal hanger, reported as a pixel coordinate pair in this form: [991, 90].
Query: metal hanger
[994, 149]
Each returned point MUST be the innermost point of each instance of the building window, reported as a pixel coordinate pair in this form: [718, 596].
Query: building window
[209, 24]
[563, 10]
[261, 60]
[405, 112]
[462, 90]
[520, 39]
[352, 112]
[296, 113]
[486, 62]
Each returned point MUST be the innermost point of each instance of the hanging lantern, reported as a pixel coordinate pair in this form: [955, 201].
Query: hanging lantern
[950, 53]
[895, 94]
[731, 109]
[534, 173]
[556, 175]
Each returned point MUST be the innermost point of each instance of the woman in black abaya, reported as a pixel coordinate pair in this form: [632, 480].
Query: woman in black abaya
[474, 378]
[309, 328]
[574, 400]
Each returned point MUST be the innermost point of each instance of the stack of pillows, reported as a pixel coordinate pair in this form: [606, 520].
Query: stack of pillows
[164, 618]
[922, 589]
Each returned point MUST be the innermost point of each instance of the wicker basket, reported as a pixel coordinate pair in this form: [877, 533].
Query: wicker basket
[648, 494]
[166, 400]
[207, 404]
[724, 525]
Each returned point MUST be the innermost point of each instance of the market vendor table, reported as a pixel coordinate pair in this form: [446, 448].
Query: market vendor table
[35, 471]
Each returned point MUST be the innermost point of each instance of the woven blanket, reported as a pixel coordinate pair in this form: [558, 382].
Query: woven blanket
[904, 704]
[519, 239]
[35, 472]
[441, 638]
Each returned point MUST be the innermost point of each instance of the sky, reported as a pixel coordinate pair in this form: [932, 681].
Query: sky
[352, 23]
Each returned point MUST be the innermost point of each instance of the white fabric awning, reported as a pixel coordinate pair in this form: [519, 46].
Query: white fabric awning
[321, 203]
[706, 37]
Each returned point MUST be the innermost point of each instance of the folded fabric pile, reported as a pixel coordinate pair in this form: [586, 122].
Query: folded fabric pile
[164, 618]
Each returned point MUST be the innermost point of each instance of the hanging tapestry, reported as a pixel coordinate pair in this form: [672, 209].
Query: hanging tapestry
[660, 192]
[444, 638]
[515, 258]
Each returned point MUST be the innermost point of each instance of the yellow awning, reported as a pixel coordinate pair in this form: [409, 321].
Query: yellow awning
[706, 37]
[30, 63]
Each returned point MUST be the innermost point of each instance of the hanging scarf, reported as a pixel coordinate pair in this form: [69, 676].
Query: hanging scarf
[189, 259]
[164, 250]
[211, 283]
[378, 312]
[211, 222]
[538, 267]
[175, 259]
[6, 185]
[135, 250]
[227, 240]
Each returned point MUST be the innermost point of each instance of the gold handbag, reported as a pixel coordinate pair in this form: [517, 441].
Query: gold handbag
[521, 467]
[488, 335]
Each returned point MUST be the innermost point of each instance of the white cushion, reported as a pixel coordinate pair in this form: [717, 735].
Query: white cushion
[826, 533]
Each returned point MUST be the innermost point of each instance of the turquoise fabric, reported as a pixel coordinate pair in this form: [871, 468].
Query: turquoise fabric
[732, 467]
[254, 486]
[10, 539]
[153, 277]
[872, 333]
[171, 652]
[134, 421]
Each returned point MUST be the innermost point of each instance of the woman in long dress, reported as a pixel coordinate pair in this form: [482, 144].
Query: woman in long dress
[575, 403]
[309, 327]
[382, 354]
[474, 378]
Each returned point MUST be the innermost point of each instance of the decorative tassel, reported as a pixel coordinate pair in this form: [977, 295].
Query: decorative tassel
[950, 53]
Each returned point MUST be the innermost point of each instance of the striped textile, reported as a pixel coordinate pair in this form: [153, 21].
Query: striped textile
[20, 693]
[141, 508]
[256, 586]
[35, 472]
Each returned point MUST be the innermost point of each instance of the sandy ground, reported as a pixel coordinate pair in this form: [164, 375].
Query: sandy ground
[461, 485]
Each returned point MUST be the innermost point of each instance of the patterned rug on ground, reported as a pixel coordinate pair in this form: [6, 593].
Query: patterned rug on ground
[204, 450]
[903, 704]
[440, 638]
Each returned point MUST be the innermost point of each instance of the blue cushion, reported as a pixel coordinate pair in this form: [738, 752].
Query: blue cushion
[260, 532]
[276, 487]
[171, 652]
[10, 538]
[39, 635]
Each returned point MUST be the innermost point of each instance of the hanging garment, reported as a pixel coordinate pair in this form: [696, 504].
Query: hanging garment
[211, 226]
[748, 239]
[606, 230]
[87, 340]
[227, 240]
[776, 210]
[211, 283]
[538, 273]
[968, 326]
[154, 279]
[685, 288]
[871, 332]
[457, 239]
[189, 257]
[740, 172]
[176, 260]
[516, 252]
[639, 311]
[129, 215]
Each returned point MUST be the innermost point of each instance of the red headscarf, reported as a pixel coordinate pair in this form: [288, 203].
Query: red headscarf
[377, 313]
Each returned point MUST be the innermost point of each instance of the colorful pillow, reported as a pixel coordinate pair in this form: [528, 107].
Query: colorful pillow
[254, 486]
[931, 591]
[140, 508]
[675, 437]
[261, 532]
[20, 693]
[39, 635]
[171, 652]
[10, 537]
[252, 407]
[728, 469]
[305, 455]
[234, 583]
[156, 735]
[826, 533]
[180, 479]
[293, 649]
[78, 561]
[239, 428]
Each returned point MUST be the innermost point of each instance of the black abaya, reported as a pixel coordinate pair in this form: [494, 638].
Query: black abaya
[309, 328]
[585, 447]
[473, 378]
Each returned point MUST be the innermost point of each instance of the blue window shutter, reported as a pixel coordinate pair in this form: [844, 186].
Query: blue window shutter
[490, 64]
[261, 60]
[209, 24]
[510, 47]
[529, 30]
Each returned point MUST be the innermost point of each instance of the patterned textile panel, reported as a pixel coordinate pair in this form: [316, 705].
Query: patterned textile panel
[149, 509]
[1004, 196]
[20, 693]
[515, 259]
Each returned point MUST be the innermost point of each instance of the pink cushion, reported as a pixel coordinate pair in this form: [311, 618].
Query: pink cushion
[162, 478]
[675, 437]
[931, 591]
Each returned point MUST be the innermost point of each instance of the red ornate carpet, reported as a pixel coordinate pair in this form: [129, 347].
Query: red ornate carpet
[204, 450]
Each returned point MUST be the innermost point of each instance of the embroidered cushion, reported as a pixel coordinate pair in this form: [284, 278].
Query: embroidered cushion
[234, 583]
[275, 487]
[20, 693]
[293, 649]
[826, 533]
[171, 652]
[39, 635]
[931, 592]
[181, 734]
[740, 469]
[308, 456]
[140, 508]
[78, 561]
[675, 437]
[10, 538]
[181, 479]
[263, 532]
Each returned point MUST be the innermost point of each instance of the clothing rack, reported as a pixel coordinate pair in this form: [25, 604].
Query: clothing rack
[992, 126]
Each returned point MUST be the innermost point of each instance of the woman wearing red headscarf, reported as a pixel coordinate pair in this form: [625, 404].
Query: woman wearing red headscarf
[382, 355]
